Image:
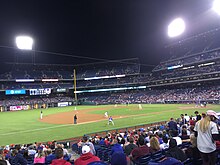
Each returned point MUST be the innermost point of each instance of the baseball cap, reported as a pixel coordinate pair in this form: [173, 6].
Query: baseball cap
[7, 147]
[212, 113]
[85, 149]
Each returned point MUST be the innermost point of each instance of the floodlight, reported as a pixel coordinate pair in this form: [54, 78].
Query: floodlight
[176, 27]
[24, 42]
[216, 6]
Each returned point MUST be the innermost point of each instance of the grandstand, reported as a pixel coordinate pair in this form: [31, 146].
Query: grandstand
[23, 89]
[192, 75]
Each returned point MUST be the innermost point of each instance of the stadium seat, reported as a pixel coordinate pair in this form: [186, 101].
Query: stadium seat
[97, 163]
[188, 162]
[143, 160]
[166, 160]
[157, 155]
[75, 147]
[30, 160]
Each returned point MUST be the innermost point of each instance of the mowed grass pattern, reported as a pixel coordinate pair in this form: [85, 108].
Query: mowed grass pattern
[25, 127]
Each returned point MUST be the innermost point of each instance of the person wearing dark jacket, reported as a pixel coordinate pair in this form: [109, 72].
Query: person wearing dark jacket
[86, 157]
[198, 116]
[172, 125]
[192, 151]
[117, 146]
[49, 156]
[17, 158]
[130, 146]
[175, 152]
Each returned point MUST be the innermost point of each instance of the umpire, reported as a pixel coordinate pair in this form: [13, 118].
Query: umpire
[75, 119]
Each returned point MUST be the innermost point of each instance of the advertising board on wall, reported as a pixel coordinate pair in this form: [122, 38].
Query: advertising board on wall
[20, 107]
[60, 90]
[45, 91]
[15, 92]
[62, 104]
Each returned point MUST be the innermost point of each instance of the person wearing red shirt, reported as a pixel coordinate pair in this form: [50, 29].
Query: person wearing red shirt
[191, 121]
[140, 151]
[86, 157]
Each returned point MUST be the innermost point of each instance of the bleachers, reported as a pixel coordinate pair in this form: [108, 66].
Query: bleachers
[40, 71]
[103, 153]
[197, 49]
[187, 95]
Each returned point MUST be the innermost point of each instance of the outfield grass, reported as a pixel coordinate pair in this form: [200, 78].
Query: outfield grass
[24, 126]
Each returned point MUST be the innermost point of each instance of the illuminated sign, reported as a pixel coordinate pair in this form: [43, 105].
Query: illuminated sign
[45, 80]
[20, 107]
[174, 67]
[24, 80]
[111, 89]
[62, 104]
[61, 90]
[206, 64]
[45, 91]
[15, 92]
[103, 77]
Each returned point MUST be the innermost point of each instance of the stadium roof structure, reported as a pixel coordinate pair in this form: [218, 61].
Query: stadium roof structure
[122, 61]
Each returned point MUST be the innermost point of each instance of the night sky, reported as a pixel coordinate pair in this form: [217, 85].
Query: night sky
[101, 29]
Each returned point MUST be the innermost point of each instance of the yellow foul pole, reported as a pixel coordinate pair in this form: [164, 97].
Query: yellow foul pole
[74, 80]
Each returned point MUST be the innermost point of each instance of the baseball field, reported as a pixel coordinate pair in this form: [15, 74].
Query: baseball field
[26, 126]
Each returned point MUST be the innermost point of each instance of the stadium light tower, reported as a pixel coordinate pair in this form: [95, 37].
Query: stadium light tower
[176, 27]
[216, 6]
[24, 42]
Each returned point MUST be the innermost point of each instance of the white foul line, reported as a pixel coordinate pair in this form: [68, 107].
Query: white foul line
[38, 129]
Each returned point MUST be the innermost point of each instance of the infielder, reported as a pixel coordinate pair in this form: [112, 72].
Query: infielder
[110, 120]
[106, 114]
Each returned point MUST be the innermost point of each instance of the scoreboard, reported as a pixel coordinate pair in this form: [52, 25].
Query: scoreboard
[45, 91]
